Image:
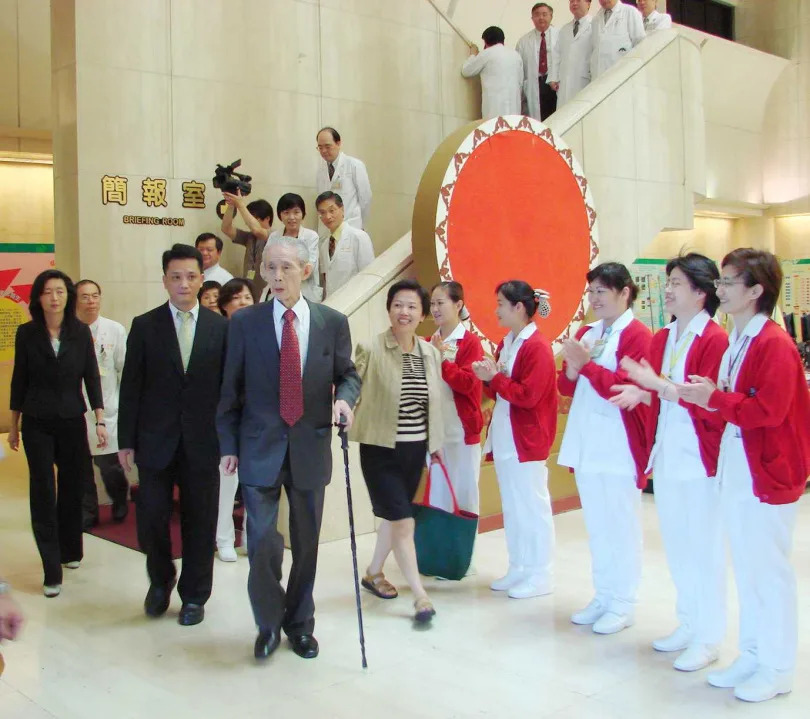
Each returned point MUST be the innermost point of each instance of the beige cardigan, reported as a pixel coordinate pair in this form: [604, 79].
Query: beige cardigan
[379, 365]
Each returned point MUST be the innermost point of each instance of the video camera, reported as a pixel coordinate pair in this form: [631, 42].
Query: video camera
[227, 180]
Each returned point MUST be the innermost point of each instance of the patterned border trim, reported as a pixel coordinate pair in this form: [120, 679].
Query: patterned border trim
[478, 136]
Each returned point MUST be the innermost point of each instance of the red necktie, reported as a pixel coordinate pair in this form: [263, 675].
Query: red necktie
[543, 53]
[291, 401]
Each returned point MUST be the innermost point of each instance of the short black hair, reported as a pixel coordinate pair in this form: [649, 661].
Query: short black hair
[615, 276]
[758, 267]
[207, 286]
[331, 130]
[261, 210]
[519, 291]
[208, 236]
[409, 286]
[82, 283]
[182, 252]
[232, 288]
[701, 273]
[543, 4]
[328, 195]
[493, 35]
[288, 201]
[38, 287]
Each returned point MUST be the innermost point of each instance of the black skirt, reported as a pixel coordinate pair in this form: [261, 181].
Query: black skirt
[392, 477]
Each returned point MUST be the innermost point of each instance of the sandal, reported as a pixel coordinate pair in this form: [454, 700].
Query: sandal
[379, 586]
[424, 610]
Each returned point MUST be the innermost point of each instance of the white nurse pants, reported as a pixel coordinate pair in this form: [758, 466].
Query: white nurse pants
[463, 463]
[611, 504]
[527, 516]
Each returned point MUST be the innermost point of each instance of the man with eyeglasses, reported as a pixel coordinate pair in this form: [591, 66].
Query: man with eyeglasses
[110, 341]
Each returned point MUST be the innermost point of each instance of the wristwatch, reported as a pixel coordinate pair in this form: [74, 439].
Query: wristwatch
[5, 587]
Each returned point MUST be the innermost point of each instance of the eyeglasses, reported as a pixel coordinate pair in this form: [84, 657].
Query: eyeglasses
[727, 282]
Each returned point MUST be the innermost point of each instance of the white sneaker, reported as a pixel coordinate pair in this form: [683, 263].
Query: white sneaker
[764, 684]
[679, 640]
[512, 578]
[72, 565]
[742, 669]
[588, 615]
[226, 554]
[531, 587]
[52, 590]
[697, 656]
[611, 622]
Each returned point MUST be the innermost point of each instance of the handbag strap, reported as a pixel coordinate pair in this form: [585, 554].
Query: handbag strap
[446, 474]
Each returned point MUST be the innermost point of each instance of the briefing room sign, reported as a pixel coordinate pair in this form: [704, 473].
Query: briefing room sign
[155, 192]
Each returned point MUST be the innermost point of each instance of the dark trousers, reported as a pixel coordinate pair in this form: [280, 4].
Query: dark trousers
[56, 502]
[548, 98]
[199, 498]
[293, 610]
[115, 482]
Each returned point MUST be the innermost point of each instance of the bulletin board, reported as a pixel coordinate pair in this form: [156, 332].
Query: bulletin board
[651, 277]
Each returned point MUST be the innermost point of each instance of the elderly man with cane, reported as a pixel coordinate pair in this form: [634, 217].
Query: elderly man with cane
[288, 377]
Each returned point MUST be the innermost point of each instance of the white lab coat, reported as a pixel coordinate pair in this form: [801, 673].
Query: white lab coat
[353, 252]
[110, 342]
[613, 41]
[310, 288]
[528, 48]
[351, 182]
[501, 71]
[657, 21]
[572, 60]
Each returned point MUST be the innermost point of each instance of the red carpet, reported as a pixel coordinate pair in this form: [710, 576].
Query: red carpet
[126, 533]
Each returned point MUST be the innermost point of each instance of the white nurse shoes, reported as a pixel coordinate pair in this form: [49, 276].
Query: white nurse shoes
[226, 554]
[764, 684]
[611, 622]
[590, 614]
[742, 669]
[531, 587]
[697, 656]
[511, 579]
[679, 640]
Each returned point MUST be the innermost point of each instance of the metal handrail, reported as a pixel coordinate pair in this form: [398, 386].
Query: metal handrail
[451, 23]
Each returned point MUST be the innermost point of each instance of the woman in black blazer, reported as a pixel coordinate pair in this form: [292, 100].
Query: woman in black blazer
[53, 354]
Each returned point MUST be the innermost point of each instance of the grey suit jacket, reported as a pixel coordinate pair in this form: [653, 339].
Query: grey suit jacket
[248, 419]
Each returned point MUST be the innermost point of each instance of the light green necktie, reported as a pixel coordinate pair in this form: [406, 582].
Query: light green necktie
[185, 336]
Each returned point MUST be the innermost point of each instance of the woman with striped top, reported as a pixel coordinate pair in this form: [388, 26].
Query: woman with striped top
[397, 420]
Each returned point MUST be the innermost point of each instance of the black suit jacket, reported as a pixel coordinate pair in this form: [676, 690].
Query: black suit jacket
[248, 419]
[160, 404]
[48, 386]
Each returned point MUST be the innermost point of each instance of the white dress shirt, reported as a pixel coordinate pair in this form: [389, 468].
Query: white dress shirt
[300, 325]
[195, 311]
[217, 273]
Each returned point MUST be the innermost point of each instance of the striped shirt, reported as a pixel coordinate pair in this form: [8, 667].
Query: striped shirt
[413, 400]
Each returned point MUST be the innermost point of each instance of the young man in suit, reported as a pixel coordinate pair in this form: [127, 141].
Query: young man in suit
[288, 377]
[168, 401]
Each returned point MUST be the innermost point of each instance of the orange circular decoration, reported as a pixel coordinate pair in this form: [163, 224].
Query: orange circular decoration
[513, 204]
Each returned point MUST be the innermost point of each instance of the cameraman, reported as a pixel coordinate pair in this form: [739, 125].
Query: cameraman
[258, 216]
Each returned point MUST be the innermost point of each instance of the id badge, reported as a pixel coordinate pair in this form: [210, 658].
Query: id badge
[251, 274]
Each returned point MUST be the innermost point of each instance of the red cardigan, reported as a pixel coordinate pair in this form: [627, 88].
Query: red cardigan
[772, 408]
[532, 398]
[703, 359]
[634, 342]
[466, 386]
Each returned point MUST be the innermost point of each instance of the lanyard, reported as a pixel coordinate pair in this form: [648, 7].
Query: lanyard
[735, 363]
[677, 352]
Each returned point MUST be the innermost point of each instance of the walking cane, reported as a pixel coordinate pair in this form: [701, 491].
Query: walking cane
[344, 443]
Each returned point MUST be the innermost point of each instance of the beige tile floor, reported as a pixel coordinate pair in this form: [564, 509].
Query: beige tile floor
[91, 652]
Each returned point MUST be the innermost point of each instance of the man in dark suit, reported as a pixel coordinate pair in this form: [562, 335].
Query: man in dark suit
[288, 377]
[168, 401]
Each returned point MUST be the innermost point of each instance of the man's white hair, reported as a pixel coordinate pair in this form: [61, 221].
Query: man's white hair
[295, 243]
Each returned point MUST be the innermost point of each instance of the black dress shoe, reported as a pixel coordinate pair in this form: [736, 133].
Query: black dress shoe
[266, 643]
[120, 512]
[305, 646]
[89, 523]
[191, 614]
[157, 600]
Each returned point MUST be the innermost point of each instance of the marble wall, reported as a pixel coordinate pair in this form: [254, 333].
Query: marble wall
[166, 89]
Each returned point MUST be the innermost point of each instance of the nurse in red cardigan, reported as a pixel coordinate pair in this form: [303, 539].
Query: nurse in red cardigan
[521, 431]
[607, 447]
[763, 468]
[461, 393]
[685, 442]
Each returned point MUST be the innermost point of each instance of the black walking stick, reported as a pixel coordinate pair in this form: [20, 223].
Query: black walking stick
[344, 443]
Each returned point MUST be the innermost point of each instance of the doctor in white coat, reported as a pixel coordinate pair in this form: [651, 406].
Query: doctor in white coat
[501, 71]
[616, 29]
[572, 54]
[653, 20]
[536, 49]
[347, 176]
